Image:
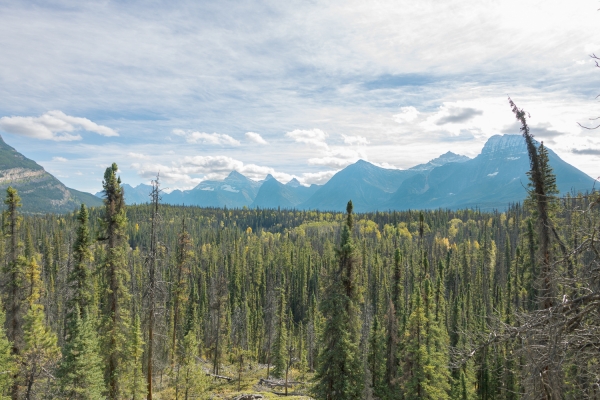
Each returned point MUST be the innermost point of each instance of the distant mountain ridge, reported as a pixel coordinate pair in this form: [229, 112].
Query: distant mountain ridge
[40, 192]
[441, 160]
[492, 180]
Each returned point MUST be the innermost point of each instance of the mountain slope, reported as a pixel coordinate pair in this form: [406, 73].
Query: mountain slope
[134, 195]
[40, 192]
[491, 180]
[367, 185]
[274, 194]
[439, 161]
[235, 191]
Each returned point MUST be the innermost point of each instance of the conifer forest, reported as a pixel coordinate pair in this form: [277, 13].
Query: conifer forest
[170, 302]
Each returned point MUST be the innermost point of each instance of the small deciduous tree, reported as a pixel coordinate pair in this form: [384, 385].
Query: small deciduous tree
[40, 350]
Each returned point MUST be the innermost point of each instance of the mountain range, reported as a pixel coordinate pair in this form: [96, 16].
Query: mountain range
[491, 180]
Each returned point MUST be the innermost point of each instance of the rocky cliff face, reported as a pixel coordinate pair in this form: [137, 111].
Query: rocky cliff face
[40, 192]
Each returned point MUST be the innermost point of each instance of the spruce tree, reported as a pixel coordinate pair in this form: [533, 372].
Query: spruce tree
[340, 371]
[134, 383]
[14, 276]
[281, 337]
[394, 330]
[79, 276]
[80, 373]
[115, 327]
[377, 359]
[180, 292]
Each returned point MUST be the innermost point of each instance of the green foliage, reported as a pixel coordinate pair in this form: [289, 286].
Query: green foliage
[115, 324]
[40, 351]
[133, 380]
[425, 356]
[377, 359]
[7, 362]
[190, 380]
[427, 279]
[340, 373]
[80, 373]
[280, 353]
[79, 279]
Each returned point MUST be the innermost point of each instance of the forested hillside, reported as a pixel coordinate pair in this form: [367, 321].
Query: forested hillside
[400, 305]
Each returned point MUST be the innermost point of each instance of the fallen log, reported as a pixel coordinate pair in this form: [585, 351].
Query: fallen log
[277, 383]
[227, 378]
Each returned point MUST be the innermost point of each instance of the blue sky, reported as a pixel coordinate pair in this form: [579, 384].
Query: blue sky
[297, 88]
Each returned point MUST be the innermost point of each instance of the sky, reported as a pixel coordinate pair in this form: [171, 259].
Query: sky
[196, 89]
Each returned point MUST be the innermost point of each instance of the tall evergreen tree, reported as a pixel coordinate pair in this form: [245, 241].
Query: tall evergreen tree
[79, 276]
[180, 292]
[14, 281]
[280, 355]
[116, 318]
[80, 372]
[395, 312]
[377, 359]
[340, 370]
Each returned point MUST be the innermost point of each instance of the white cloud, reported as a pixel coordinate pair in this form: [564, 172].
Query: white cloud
[207, 138]
[355, 140]
[59, 159]
[313, 137]
[192, 170]
[333, 162]
[168, 175]
[137, 155]
[319, 178]
[207, 164]
[407, 114]
[255, 137]
[338, 158]
[53, 125]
